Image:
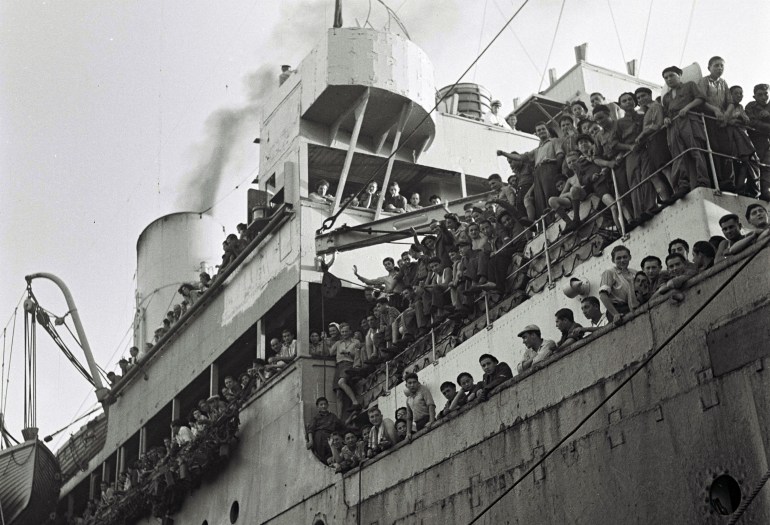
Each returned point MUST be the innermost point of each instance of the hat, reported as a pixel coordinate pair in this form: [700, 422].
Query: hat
[530, 328]
[643, 90]
[585, 136]
[672, 68]
[496, 103]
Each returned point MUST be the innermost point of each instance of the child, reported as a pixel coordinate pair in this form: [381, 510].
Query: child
[319, 431]
[454, 399]
[402, 428]
[420, 407]
[468, 388]
[593, 179]
[572, 194]
[747, 167]
[718, 103]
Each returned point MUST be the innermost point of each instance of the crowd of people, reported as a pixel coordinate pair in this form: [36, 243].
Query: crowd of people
[161, 477]
[344, 444]
[369, 197]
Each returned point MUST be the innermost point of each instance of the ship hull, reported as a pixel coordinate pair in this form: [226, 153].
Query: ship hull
[29, 483]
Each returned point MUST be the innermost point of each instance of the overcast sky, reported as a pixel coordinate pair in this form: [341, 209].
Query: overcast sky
[110, 111]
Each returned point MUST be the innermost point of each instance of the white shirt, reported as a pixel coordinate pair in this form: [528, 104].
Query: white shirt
[601, 322]
[496, 120]
[546, 349]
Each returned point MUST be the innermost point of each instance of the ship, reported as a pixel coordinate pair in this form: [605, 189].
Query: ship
[662, 419]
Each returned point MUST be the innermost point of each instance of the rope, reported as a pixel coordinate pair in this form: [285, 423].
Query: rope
[644, 40]
[10, 357]
[622, 384]
[481, 35]
[553, 41]
[689, 25]
[617, 33]
[329, 222]
[521, 44]
[745, 503]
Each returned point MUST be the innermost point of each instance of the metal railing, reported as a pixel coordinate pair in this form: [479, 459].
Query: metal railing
[542, 225]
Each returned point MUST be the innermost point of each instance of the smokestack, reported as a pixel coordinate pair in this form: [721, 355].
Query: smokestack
[552, 76]
[516, 102]
[631, 67]
[581, 52]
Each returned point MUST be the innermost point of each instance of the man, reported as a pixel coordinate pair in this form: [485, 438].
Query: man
[232, 386]
[758, 111]
[547, 159]
[681, 247]
[677, 273]
[703, 255]
[321, 194]
[652, 267]
[394, 202]
[569, 135]
[537, 348]
[389, 283]
[288, 345]
[414, 202]
[504, 191]
[610, 150]
[756, 215]
[731, 229]
[369, 197]
[495, 373]
[570, 330]
[420, 407]
[685, 131]
[591, 310]
[113, 378]
[494, 118]
[382, 435]
[320, 429]
[347, 352]
[434, 200]
[597, 99]
[571, 196]
[628, 130]
[579, 111]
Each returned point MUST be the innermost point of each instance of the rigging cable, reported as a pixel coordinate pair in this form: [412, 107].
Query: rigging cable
[622, 384]
[644, 40]
[617, 33]
[745, 503]
[521, 44]
[10, 357]
[481, 35]
[553, 41]
[329, 221]
[689, 26]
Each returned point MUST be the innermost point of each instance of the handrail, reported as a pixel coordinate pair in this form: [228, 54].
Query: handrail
[618, 198]
[280, 215]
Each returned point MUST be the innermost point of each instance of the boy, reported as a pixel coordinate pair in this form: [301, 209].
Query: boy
[685, 131]
[594, 179]
[652, 266]
[449, 391]
[747, 169]
[703, 255]
[382, 435]
[570, 330]
[420, 407]
[756, 215]
[320, 430]
[590, 306]
[652, 147]
[402, 428]
[616, 290]
[758, 111]
[348, 355]
[571, 196]
[468, 388]
[495, 374]
[628, 129]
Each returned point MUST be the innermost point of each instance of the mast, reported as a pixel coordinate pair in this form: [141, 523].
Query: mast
[101, 391]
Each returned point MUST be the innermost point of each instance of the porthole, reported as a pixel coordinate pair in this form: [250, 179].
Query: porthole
[725, 495]
[234, 510]
[319, 522]
[205, 522]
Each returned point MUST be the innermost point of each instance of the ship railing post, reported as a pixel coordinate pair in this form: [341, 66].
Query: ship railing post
[433, 338]
[387, 377]
[618, 205]
[711, 155]
[486, 309]
[545, 251]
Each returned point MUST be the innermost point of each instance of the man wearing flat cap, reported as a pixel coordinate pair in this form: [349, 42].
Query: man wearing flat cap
[538, 348]
[685, 131]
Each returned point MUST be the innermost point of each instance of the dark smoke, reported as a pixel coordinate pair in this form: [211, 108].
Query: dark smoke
[230, 131]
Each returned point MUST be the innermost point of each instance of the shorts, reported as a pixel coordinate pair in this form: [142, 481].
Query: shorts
[339, 371]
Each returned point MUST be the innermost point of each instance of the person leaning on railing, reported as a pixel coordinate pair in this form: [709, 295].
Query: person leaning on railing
[747, 169]
[684, 131]
[616, 291]
[758, 111]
